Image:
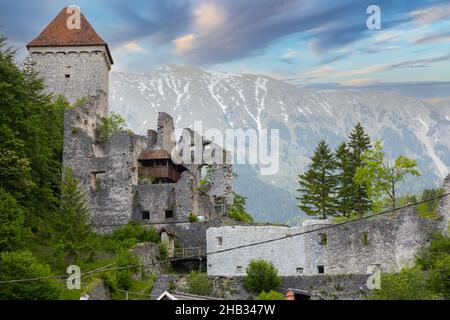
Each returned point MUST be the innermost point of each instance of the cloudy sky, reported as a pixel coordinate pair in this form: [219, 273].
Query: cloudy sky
[305, 42]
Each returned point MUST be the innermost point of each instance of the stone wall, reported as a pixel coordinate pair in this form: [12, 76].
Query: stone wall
[149, 257]
[389, 241]
[75, 72]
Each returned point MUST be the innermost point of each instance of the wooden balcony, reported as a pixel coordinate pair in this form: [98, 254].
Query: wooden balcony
[158, 172]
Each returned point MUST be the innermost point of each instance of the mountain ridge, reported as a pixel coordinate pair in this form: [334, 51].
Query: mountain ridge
[303, 116]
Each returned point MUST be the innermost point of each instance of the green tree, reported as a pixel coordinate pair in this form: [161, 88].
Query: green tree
[15, 174]
[23, 265]
[110, 125]
[318, 184]
[198, 283]
[359, 143]
[409, 284]
[31, 135]
[238, 211]
[435, 260]
[346, 185]
[380, 176]
[69, 226]
[261, 276]
[13, 233]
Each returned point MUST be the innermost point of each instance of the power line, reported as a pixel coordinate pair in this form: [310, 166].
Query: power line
[327, 227]
[105, 268]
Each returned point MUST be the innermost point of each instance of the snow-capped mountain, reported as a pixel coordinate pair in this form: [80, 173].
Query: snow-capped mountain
[406, 126]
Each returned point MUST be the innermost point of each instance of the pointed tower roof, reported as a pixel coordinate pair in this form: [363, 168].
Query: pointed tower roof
[58, 34]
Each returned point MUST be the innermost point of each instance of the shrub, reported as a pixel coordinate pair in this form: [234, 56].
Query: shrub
[261, 276]
[435, 259]
[163, 252]
[409, 284]
[126, 264]
[198, 283]
[192, 218]
[23, 265]
[271, 295]
[238, 211]
[131, 234]
[110, 125]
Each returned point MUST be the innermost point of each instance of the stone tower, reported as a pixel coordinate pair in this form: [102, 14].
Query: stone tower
[73, 60]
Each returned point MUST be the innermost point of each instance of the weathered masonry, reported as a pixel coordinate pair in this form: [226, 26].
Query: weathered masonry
[390, 242]
[126, 177]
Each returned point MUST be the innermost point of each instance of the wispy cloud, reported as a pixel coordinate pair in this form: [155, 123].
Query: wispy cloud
[133, 47]
[359, 82]
[433, 38]
[418, 63]
[431, 14]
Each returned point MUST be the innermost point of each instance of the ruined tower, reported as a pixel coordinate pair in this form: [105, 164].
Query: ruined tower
[73, 59]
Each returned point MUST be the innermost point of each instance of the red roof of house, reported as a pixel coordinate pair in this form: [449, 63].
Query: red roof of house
[58, 34]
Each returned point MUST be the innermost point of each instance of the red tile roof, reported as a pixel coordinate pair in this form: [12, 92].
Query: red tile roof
[154, 155]
[58, 34]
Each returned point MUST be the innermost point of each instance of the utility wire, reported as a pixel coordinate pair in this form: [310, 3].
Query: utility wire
[106, 269]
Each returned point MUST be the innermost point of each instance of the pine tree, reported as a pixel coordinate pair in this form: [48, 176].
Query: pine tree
[318, 184]
[345, 184]
[69, 226]
[359, 143]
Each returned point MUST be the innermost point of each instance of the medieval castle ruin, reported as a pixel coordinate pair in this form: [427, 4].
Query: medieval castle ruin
[128, 177]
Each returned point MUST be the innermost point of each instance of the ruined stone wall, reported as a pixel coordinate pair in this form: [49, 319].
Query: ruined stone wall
[389, 241]
[156, 198]
[112, 201]
[165, 133]
[75, 72]
[222, 183]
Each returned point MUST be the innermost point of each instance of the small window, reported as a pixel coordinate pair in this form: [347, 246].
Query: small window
[365, 238]
[67, 76]
[239, 269]
[96, 179]
[299, 270]
[219, 241]
[169, 214]
[145, 215]
[321, 269]
[323, 239]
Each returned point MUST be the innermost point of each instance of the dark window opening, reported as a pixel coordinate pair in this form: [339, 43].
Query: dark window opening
[323, 239]
[365, 238]
[96, 180]
[67, 76]
[145, 215]
[219, 241]
[299, 270]
[321, 269]
[169, 214]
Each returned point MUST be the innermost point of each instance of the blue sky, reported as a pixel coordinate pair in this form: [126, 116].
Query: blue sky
[304, 42]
